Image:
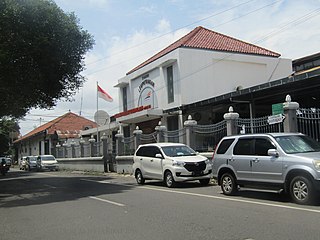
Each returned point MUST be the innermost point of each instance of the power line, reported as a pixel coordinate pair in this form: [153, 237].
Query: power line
[284, 27]
[213, 15]
[172, 31]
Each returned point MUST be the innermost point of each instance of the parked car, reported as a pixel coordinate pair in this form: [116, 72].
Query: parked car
[170, 162]
[47, 162]
[23, 163]
[288, 161]
[8, 161]
[31, 163]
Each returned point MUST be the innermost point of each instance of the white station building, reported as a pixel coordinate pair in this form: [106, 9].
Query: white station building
[197, 75]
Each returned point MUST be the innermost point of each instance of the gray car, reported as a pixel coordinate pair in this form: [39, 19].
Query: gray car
[288, 161]
[31, 163]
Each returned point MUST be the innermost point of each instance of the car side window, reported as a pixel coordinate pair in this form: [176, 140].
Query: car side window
[141, 152]
[224, 146]
[262, 145]
[152, 151]
[244, 146]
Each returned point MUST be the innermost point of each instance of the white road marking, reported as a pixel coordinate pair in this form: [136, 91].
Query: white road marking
[212, 197]
[233, 199]
[47, 174]
[107, 201]
[49, 186]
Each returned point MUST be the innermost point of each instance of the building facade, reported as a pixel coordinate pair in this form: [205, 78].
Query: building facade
[44, 139]
[179, 80]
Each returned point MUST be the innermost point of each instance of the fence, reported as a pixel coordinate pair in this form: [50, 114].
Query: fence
[202, 138]
[308, 121]
[208, 136]
[258, 125]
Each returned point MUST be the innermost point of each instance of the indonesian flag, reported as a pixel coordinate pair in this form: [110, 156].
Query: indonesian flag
[104, 95]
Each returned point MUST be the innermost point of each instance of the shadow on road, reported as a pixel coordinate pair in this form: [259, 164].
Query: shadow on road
[179, 185]
[266, 195]
[28, 188]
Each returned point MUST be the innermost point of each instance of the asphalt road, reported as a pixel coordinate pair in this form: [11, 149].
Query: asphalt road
[62, 205]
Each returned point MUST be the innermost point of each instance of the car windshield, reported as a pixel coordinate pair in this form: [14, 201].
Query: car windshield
[298, 144]
[32, 159]
[47, 158]
[178, 151]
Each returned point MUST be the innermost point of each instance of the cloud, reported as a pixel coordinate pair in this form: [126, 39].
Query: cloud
[107, 65]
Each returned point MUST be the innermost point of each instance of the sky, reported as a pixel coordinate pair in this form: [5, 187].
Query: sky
[128, 32]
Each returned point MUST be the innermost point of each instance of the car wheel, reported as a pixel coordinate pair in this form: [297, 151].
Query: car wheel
[139, 177]
[301, 190]
[204, 182]
[228, 184]
[169, 180]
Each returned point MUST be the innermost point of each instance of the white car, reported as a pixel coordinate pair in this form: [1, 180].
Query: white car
[170, 162]
[47, 162]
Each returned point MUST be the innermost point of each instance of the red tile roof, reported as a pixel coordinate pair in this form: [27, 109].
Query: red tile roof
[203, 38]
[65, 124]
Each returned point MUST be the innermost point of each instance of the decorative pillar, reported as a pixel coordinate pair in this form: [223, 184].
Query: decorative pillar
[92, 148]
[73, 152]
[290, 123]
[160, 129]
[137, 140]
[231, 118]
[189, 124]
[120, 143]
[104, 140]
[65, 149]
[82, 142]
[58, 146]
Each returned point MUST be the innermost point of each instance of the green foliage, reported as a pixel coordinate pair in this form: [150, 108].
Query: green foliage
[8, 133]
[41, 55]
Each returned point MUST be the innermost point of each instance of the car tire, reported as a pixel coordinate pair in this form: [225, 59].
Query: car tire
[228, 184]
[139, 177]
[169, 180]
[204, 182]
[301, 190]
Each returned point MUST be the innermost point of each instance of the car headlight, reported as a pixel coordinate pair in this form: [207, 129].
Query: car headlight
[316, 164]
[178, 163]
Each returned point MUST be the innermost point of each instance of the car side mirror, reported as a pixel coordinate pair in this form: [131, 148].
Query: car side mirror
[273, 153]
[158, 155]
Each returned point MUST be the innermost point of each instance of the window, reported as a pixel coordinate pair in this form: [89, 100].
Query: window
[244, 146]
[224, 146]
[170, 84]
[124, 99]
[150, 151]
[262, 146]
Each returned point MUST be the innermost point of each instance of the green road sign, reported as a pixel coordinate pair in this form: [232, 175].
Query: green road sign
[277, 108]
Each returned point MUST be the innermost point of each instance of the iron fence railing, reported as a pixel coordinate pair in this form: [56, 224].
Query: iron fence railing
[175, 136]
[308, 121]
[257, 125]
[208, 136]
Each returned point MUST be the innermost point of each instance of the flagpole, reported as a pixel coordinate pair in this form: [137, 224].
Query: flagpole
[97, 118]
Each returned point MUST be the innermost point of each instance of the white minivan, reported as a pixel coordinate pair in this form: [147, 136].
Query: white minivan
[170, 162]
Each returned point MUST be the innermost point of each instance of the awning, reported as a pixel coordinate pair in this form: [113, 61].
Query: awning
[140, 114]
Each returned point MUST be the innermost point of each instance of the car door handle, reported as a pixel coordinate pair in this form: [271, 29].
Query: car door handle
[151, 160]
[255, 161]
[140, 159]
[231, 160]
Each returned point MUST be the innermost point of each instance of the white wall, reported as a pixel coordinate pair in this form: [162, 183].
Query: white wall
[201, 74]
[207, 74]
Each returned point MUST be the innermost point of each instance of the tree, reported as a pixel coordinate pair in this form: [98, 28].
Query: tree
[9, 130]
[41, 55]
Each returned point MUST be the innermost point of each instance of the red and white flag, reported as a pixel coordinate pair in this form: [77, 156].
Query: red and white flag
[104, 95]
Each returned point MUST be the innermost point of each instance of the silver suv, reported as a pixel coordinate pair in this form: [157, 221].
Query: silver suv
[288, 161]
